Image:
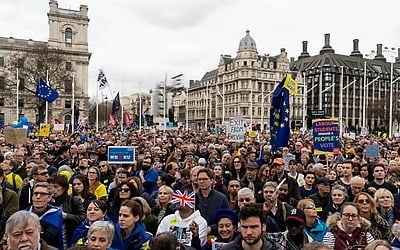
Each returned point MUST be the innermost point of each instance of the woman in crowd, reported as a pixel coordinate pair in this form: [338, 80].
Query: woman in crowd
[332, 175]
[130, 232]
[347, 229]
[80, 189]
[124, 191]
[264, 173]
[237, 169]
[219, 181]
[163, 206]
[106, 173]
[379, 245]
[299, 177]
[385, 202]
[338, 196]
[96, 211]
[315, 227]
[227, 224]
[73, 212]
[97, 188]
[100, 235]
[140, 189]
[149, 219]
[367, 208]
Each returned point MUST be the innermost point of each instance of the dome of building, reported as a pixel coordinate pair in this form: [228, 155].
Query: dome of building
[247, 42]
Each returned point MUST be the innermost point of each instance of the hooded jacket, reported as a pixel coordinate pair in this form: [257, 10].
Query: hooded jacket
[138, 239]
[180, 227]
[318, 231]
[335, 225]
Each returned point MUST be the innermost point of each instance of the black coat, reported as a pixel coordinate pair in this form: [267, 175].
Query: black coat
[74, 209]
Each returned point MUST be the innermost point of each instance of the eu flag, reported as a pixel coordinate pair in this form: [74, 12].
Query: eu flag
[44, 92]
[279, 117]
[116, 104]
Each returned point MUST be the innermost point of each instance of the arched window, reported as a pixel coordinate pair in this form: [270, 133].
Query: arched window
[67, 119]
[68, 35]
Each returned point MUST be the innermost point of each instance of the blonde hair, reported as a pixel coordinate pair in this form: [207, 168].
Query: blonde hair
[374, 211]
[302, 203]
[169, 191]
[381, 192]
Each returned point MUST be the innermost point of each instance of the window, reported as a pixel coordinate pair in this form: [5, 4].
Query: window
[1, 119]
[68, 66]
[2, 83]
[1, 61]
[21, 103]
[68, 35]
[1, 101]
[68, 86]
[20, 63]
[68, 104]
[21, 85]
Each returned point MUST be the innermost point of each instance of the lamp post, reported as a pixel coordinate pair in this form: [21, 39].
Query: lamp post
[365, 92]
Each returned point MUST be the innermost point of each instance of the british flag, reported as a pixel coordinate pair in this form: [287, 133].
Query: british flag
[183, 199]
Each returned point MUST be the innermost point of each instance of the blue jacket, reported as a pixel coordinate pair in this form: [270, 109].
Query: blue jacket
[80, 234]
[139, 239]
[318, 231]
[53, 230]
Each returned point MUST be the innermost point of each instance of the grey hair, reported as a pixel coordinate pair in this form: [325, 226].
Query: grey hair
[21, 218]
[45, 185]
[318, 166]
[357, 178]
[245, 191]
[103, 226]
[341, 188]
[196, 168]
[271, 184]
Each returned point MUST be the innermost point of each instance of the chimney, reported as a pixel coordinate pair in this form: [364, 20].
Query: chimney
[355, 51]
[398, 56]
[304, 54]
[379, 56]
[327, 47]
[292, 59]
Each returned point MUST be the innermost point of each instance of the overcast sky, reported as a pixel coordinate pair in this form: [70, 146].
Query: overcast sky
[139, 41]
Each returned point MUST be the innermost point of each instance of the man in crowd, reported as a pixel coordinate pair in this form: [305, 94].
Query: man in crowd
[233, 188]
[378, 171]
[356, 186]
[148, 175]
[39, 173]
[321, 198]
[308, 188]
[250, 180]
[280, 175]
[347, 171]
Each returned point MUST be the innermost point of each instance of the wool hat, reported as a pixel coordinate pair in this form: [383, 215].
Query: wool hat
[226, 213]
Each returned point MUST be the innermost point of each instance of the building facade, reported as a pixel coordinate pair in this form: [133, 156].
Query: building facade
[68, 42]
[353, 88]
[241, 86]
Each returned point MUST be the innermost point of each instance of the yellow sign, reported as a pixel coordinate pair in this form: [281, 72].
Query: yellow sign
[290, 85]
[253, 133]
[44, 129]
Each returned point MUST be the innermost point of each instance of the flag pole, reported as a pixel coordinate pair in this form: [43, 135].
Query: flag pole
[122, 106]
[47, 104]
[97, 109]
[17, 96]
[73, 104]
[140, 107]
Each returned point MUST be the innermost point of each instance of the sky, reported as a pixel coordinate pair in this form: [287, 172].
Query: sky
[138, 43]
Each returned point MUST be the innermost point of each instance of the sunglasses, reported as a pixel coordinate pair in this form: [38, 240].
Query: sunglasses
[43, 174]
[124, 190]
[245, 199]
[76, 184]
[366, 201]
[310, 206]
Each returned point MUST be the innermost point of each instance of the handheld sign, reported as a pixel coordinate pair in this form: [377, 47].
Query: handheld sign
[236, 130]
[121, 154]
[372, 151]
[326, 136]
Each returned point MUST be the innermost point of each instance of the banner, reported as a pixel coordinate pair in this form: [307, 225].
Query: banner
[59, 127]
[15, 136]
[121, 154]
[236, 129]
[326, 136]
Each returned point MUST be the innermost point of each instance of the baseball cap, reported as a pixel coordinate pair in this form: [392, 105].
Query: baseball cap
[279, 161]
[297, 215]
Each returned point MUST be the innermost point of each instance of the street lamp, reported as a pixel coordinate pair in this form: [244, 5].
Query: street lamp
[365, 92]
[105, 117]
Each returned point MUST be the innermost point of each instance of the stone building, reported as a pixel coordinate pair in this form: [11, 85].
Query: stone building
[241, 86]
[68, 39]
[352, 87]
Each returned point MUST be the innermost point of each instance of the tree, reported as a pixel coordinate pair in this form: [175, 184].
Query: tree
[33, 63]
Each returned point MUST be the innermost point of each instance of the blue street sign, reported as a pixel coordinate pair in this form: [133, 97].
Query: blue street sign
[121, 154]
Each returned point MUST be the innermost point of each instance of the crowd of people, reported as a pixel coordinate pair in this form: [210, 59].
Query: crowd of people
[197, 190]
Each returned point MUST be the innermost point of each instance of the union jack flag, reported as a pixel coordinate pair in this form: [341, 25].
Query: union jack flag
[183, 200]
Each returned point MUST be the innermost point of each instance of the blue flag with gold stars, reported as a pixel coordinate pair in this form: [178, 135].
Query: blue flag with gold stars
[44, 92]
[279, 117]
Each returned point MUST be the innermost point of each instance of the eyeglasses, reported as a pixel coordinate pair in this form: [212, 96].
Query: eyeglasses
[245, 200]
[124, 190]
[43, 173]
[310, 206]
[40, 193]
[103, 166]
[348, 216]
[366, 201]
[76, 184]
